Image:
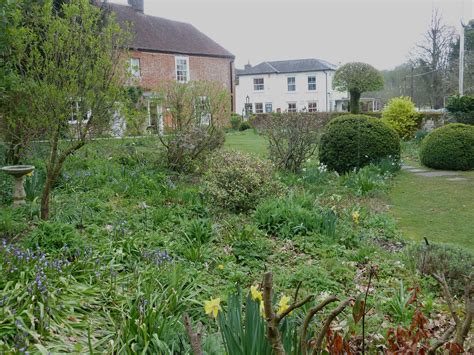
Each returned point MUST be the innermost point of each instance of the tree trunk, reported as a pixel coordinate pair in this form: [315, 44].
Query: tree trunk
[355, 98]
[45, 196]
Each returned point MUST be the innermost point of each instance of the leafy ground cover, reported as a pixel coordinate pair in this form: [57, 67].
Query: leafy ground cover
[131, 247]
[433, 207]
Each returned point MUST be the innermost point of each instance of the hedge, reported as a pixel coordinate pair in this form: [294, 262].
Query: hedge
[437, 118]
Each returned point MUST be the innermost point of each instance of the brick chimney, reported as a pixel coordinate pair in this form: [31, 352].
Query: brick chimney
[137, 5]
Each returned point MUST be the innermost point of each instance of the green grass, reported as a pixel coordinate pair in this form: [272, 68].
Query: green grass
[434, 207]
[247, 141]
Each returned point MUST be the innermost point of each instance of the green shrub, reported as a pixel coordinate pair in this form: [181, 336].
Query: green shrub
[244, 126]
[461, 108]
[455, 263]
[235, 121]
[401, 115]
[353, 141]
[292, 216]
[236, 181]
[54, 237]
[449, 147]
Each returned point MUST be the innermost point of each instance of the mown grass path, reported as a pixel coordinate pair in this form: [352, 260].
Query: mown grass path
[440, 209]
[247, 141]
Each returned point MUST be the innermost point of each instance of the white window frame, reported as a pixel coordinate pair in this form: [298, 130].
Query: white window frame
[268, 104]
[134, 68]
[292, 103]
[315, 109]
[288, 84]
[259, 87]
[315, 82]
[179, 78]
[260, 109]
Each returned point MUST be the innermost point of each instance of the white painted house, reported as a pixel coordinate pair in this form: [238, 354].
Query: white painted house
[288, 85]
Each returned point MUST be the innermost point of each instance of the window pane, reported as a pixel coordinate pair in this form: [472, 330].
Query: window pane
[258, 84]
[182, 70]
[134, 67]
[291, 83]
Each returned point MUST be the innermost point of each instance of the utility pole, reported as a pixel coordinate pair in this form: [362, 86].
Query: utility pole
[461, 60]
[412, 85]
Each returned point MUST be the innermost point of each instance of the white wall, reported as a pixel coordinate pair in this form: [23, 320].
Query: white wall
[276, 91]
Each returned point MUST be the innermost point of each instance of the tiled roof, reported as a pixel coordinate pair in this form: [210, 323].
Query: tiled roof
[163, 35]
[287, 66]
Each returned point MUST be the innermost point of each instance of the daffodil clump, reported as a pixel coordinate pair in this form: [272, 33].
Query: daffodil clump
[283, 304]
[355, 217]
[212, 307]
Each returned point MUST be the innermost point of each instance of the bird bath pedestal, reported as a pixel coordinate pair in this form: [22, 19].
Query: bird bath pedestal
[18, 172]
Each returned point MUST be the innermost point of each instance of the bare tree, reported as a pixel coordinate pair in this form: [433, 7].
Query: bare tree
[431, 58]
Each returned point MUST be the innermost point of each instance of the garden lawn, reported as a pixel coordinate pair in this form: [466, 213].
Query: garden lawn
[435, 208]
[247, 142]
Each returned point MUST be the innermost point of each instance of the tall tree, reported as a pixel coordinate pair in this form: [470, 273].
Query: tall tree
[69, 68]
[431, 58]
[357, 78]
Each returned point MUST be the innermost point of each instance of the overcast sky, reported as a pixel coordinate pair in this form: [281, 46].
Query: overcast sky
[379, 32]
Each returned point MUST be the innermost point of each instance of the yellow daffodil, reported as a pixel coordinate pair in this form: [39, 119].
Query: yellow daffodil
[212, 307]
[355, 217]
[283, 304]
[30, 174]
[256, 294]
[220, 267]
[262, 309]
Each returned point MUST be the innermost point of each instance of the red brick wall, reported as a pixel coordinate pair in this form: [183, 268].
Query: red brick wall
[156, 67]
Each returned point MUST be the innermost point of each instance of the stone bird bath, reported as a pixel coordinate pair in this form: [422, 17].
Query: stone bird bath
[18, 172]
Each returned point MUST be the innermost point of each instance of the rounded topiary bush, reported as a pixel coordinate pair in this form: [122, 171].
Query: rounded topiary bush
[450, 147]
[353, 141]
[237, 181]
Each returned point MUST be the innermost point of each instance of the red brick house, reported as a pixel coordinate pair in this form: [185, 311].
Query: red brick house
[163, 49]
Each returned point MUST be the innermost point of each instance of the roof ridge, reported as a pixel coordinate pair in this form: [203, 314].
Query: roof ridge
[149, 15]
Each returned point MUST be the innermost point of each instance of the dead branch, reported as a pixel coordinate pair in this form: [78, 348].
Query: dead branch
[463, 329]
[447, 334]
[312, 312]
[327, 324]
[194, 337]
[447, 295]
